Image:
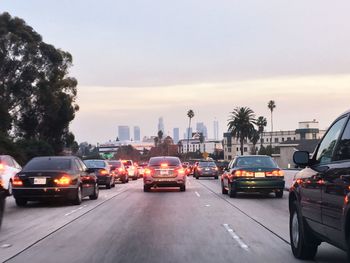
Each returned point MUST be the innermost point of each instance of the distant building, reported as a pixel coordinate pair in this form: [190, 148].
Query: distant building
[216, 130]
[161, 125]
[137, 133]
[176, 135]
[123, 133]
[194, 145]
[188, 133]
[200, 127]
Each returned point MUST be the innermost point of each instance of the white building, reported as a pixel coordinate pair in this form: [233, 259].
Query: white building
[194, 145]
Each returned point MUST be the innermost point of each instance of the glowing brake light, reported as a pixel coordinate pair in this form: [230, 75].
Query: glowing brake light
[243, 173]
[275, 173]
[121, 170]
[64, 180]
[2, 167]
[181, 171]
[164, 165]
[103, 172]
[147, 171]
[17, 181]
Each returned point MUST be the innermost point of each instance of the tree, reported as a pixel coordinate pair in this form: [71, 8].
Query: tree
[271, 105]
[190, 115]
[241, 124]
[37, 96]
[254, 138]
[261, 122]
[160, 135]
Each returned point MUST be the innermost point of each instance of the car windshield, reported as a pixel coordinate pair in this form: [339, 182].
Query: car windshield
[38, 164]
[158, 161]
[95, 164]
[256, 161]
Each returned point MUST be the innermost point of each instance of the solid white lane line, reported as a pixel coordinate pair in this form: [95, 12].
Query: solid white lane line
[75, 210]
[197, 194]
[236, 237]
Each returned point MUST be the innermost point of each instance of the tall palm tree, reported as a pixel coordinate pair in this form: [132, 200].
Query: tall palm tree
[254, 138]
[241, 124]
[271, 105]
[261, 122]
[190, 115]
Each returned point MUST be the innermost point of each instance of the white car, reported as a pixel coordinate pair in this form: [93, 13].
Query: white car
[131, 168]
[8, 168]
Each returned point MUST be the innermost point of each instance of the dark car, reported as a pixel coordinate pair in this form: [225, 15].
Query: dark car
[206, 169]
[103, 172]
[319, 197]
[51, 177]
[119, 171]
[253, 173]
[164, 171]
[3, 194]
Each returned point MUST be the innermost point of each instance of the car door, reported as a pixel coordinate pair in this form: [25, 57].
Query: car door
[336, 188]
[313, 177]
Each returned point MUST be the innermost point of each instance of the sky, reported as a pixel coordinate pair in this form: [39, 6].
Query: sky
[139, 60]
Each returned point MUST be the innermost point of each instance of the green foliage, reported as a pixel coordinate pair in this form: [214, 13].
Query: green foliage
[37, 97]
[33, 148]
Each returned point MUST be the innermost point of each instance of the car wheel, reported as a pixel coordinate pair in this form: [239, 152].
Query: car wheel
[279, 193]
[78, 196]
[9, 190]
[231, 191]
[223, 189]
[127, 180]
[134, 178]
[94, 196]
[304, 244]
[183, 188]
[21, 202]
[109, 185]
[216, 177]
[113, 185]
[146, 188]
[197, 177]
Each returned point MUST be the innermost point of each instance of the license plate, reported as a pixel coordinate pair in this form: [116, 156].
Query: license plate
[163, 180]
[207, 169]
[39, 180]
[260, 174]
[164, 172]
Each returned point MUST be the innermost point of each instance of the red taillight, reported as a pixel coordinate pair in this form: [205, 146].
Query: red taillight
[243, 173]
[103, 172]
[199, 169]
[121, 170]
[2, 167]
[64, 180]
[180, 171]
[275, 173]
[17, 181]
[147, 171]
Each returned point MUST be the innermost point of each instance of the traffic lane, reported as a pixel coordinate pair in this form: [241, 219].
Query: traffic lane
[273, 214]
[164, 225]
[23, 226]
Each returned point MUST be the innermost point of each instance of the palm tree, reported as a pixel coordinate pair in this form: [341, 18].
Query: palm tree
[241, 124]
[160, 135]
[190, 115]
[261, 122]
[271, 105]
[254, 138]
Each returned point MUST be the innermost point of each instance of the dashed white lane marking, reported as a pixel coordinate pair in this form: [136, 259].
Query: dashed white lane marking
[197, 194]
[207, 205]
[236, 237]
[6, 246]
[75, 210]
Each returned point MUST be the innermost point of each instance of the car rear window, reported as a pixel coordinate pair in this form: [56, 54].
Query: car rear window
[256, 161]
[157, 161]
[115, 164]
[95, 164]
[48, 164]
[207, 164]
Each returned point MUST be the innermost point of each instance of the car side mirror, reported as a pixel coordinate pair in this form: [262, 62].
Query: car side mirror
[301, 158]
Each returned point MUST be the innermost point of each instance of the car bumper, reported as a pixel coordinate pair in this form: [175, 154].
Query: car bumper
[120, 178]
[165, 182]
[34, 194]
[207, 174]
[258, 184]
[103, 180]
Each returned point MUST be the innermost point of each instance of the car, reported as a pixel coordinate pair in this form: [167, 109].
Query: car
[206, 169]
[141, 168]
[119, 171]
[55, 177]
[186, 166]
[164, 171]
[8, 169]
[103, 172]
[319, 208]
[3, 194]
[252, 173]
[131, 168]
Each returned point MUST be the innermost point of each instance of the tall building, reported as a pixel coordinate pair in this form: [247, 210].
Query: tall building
[216, 130]
[188, 133]
[137, 133]
[201, 128]
[161, 125]
[123, 133]
[176, 135]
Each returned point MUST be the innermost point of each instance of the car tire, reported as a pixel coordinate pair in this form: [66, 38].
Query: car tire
[279, 193]
[113, 185]
[127, 180]
[94, 196]
[232, 193]
[303, 243]
[21, 202]
[134, 178]
[9, 190]
[109, 185]
[223, 189]
[78, 196]
[146, 188]
[197, 177]
[183, 188]
[216, 177]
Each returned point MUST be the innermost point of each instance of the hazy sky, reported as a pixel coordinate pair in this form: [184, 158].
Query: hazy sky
[138, 60]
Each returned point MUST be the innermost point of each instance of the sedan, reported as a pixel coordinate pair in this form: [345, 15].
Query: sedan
[52, 177]
[206, 169]
[103, 172]
[253, 173]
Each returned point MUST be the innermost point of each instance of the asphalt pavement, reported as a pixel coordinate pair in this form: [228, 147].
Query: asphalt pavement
[165, 225]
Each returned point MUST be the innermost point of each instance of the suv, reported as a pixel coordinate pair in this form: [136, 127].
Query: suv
[165, 171]
[319, 197]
